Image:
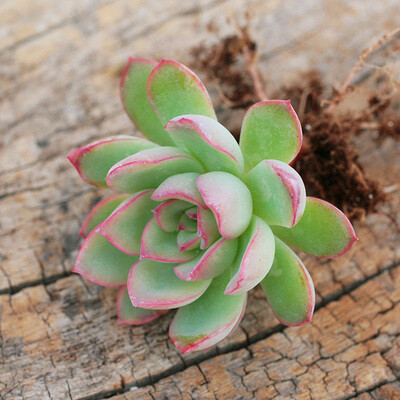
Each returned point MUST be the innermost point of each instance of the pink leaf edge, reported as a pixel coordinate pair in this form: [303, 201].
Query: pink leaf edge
[122, 321]
[210, 340]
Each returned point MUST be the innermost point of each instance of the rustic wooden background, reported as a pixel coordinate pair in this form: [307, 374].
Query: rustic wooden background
[60, 63]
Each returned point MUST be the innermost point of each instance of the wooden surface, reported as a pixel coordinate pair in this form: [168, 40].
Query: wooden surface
[59, 67]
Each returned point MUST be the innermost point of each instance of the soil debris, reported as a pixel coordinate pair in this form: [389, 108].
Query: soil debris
[224, 64]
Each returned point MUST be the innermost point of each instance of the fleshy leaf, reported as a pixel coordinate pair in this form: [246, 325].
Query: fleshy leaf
[129, 315]
[207, 228]
[289, 288]
[155, 286]
[279, 195]
[125, 225]
[100, 262]
[192, 213]
[182, 187]
[100, 212]
[169, 213]
[270, 130]
[210, 142]
[160, 245]
[174, 90]
[210, 263]
[187, 224]
[187, 240]
[147, 169]
[134, 98]
[254, 258]
[322, 231]
[230, 201]
[209, 319]
[95, 159]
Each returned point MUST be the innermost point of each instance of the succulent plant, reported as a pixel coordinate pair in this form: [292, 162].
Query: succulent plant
[199, 219]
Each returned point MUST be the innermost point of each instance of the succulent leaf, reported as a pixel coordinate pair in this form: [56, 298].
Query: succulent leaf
[95, 159]
[182, 187]
[210, 263]
[100, 212]
[100, 262]
[129, 315]
[254, 257]
[124, 227]
[230, 201]
[149, 168]
[134, 98]
[322, 231]
[192, 213]
[208, 320]
[169, 213]
[270, 130]
[187, 224]
[279, 195]
[160, 245]
[175, 90]
[207, 228]
[207, 140]
[289, 288]
[187, 240]
[155, 286]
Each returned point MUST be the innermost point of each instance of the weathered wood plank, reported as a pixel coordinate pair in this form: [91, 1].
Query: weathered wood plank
[66, 94]
[61, 74]
[352, 347]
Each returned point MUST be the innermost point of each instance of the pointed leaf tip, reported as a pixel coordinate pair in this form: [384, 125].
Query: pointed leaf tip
[133, 94]
[322, 231]
[175, 90]
[95, 159]
[129, 315]
[270, 130]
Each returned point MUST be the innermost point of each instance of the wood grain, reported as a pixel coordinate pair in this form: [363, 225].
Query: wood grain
[59, 65]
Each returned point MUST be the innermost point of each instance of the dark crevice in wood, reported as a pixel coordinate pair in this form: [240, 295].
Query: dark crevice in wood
[153, 379]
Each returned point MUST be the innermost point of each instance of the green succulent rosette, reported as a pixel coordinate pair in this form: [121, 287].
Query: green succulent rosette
[198, 219]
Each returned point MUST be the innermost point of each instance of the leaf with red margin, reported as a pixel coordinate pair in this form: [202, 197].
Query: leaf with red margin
[102, 263]
[192, 213]
[133, 93]
[181, 187]
[95, 159]
[289, 288]
[149, 168]
[187, 224]
[129, 315]
[322, 231]
[209, 319]
[254, 257]
[270, 130]
[210, 142]
[230, 201]
[207, 228]
[100, 212]
[210, 263]
[155, 286]
[162, 246]
[279, 195]
[124, 227]
[169, 213]
[174, 90]
[187, 240]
